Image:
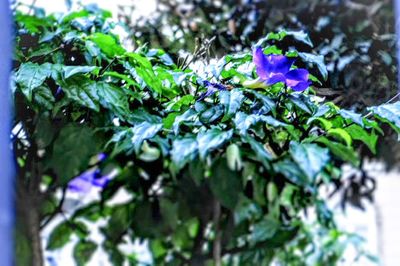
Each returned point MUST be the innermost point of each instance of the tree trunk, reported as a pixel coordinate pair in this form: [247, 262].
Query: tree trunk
[28, 241]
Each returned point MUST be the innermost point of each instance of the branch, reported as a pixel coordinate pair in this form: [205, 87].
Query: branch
[56, 211]
[217, 239]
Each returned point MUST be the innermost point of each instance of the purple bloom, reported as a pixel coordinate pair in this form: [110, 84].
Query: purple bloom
[84, 182]
[101, 156]
[276, 68]
[211, 89]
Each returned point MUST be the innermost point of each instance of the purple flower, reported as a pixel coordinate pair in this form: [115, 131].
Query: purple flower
[84, 182]
[211, 89]
[276, 68]
[101, 157]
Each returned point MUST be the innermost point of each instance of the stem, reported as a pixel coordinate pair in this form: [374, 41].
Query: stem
[218, 235]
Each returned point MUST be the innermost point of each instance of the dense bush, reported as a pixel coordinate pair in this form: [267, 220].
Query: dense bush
[221, 166]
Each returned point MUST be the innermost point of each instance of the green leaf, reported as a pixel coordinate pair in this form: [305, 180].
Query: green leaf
[212, 139]
[303, 102]
[72, 150]
[69, 71]
[212, 114]
[264, 230]
[73, 15]
[178, 103]
[144, 70]
[108, 44]
[301, 36]
[82, 91]
[183, 150]
[388, 112]
[83, 252]
[142, 132]
[310, 158]
[246, 209]
[291, 171]
[317, 60]
[358, 133]
[341, 151]
[30, 76]
[267, 103]
[44, 97]
[262, 154]
[187, 117]
[169, 120]
[231, 100]
[33, 24]
[352, 116]
[60, 236]
[113, 98]
[225, 184]
[243, 121]
[342, 134]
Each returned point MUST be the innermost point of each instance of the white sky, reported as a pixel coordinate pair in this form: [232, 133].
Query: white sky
[144, 7]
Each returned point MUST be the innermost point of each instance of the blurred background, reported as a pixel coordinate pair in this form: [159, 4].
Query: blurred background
[358, 43]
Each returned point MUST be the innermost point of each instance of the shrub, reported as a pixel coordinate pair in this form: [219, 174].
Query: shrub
[220, 166]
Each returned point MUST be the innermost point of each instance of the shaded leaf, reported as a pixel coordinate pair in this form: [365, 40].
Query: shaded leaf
[310, 158]
[212, 139]
[225, 184]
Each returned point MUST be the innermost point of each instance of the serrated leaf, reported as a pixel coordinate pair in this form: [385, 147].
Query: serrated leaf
[82, 91]
[30, 76]
[113, 98]
[44, 97]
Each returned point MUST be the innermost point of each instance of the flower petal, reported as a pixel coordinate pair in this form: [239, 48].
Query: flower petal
[301, 86]
[261, 62]
[279, 63]
[211, 89]
[82, 183]
[275, 78]
[102, 181]
[294, 77]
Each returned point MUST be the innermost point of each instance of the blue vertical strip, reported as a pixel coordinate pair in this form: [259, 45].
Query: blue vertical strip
[6, 165]
[397, 25]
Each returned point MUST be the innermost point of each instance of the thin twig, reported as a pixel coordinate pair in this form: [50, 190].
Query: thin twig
[56, 211]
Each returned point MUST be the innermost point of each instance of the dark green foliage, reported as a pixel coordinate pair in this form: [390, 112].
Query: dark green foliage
[237, 169]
